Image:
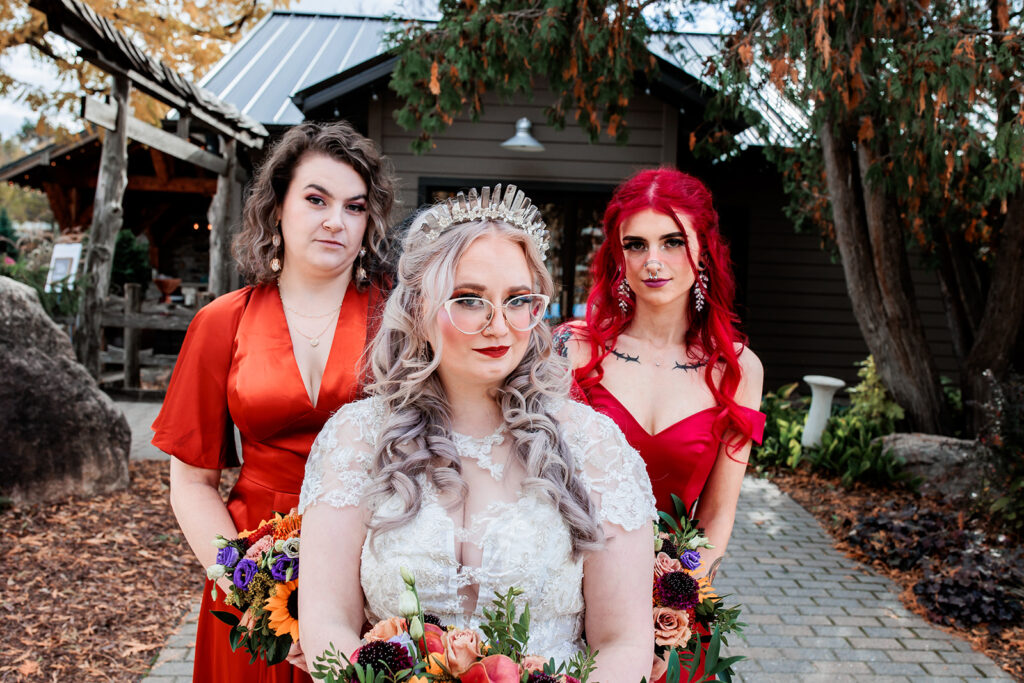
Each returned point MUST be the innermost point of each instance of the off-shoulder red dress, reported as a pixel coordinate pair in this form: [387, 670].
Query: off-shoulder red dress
[237, 366]
[680, 457]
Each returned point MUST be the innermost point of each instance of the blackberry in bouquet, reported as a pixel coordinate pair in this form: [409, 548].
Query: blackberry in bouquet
[691, 622]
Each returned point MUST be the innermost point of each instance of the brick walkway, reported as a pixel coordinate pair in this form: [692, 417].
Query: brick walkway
[811, 613]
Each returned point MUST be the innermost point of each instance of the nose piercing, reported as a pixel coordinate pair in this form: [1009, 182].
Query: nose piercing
[653, 268]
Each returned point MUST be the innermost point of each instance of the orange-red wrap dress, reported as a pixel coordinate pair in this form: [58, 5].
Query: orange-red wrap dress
[237, 367]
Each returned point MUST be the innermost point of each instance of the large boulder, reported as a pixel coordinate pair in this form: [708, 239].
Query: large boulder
[61, 435]
[951, 468]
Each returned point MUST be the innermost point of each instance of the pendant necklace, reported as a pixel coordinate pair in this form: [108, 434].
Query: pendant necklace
[314, 340]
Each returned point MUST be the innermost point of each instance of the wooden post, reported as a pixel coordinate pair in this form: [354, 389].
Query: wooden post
[132, 304]
[107, 218]
[223, 214]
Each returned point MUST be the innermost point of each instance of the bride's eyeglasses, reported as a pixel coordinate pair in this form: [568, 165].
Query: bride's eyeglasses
[472, 314]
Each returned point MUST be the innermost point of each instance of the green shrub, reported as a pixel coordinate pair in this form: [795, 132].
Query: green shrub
[783, 428]
[848, 446]
[56, 303]
[131, 263]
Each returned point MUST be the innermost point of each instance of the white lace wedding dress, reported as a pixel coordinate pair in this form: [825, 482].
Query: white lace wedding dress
[518, 539]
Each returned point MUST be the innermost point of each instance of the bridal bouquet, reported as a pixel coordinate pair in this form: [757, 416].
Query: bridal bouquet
[263, 566]
[416, 648]
[690, 620]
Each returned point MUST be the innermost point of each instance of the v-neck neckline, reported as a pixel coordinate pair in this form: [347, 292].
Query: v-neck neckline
[347, 303]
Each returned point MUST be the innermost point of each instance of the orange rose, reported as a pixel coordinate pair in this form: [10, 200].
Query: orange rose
[663, 564]
[389, 628]
[462, 649]
[533, 663]
[671, 627]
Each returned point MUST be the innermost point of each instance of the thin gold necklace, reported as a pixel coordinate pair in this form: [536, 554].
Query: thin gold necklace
[301, 314]
[314, 340]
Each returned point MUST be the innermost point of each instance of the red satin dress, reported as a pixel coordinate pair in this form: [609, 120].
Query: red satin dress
[236, 366]
[680, 457]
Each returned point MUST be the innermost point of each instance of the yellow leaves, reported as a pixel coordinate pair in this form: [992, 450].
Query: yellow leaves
[922, 96]
[780, 68]
[965, 48]
[693, 140]
[910, 182]
[613, 125]
[1002, 15]
[867, 129]
[822, 42]
[745, 53]
[435, 83]
[857, 90]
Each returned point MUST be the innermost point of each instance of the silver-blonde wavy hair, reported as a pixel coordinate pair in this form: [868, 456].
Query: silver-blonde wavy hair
[416, 434]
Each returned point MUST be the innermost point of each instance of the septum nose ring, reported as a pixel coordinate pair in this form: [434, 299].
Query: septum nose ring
[653, 268]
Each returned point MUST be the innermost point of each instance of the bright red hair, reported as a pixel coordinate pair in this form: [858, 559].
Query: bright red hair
[669, 192]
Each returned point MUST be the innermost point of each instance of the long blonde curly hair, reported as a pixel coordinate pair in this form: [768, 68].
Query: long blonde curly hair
[416, 435]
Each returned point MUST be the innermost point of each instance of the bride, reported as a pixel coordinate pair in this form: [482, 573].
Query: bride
[468, 465]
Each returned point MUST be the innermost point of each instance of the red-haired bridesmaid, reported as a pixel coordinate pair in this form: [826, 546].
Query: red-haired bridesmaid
[659, 351]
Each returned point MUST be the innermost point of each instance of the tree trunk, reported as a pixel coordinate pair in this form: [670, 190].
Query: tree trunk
[107, 219]
[224, 214]
[877, 275]
[1004, 310]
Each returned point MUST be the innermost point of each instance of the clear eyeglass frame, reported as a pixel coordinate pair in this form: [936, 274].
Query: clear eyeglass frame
[544, 298]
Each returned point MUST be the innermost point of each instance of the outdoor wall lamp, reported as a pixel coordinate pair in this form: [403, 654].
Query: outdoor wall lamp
[522, 141]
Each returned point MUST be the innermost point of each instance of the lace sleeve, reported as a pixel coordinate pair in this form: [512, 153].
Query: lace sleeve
[337, 470]
[612, 470]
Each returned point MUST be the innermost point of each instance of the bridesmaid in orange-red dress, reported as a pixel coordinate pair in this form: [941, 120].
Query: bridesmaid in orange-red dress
[660, 354]
[276, 358]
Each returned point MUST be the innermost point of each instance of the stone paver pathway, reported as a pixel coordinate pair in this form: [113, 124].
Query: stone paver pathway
[815, 615]
[812, 614]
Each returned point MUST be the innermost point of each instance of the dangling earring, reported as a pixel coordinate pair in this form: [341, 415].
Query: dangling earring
[275, 263]
[624, 293]
[698, 292]
[360, 271]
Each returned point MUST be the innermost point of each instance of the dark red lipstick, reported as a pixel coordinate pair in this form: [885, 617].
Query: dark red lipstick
[493, 351]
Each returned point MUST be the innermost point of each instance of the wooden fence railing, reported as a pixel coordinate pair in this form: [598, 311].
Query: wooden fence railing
[131, 314]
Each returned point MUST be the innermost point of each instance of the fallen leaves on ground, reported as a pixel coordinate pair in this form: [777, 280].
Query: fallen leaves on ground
[837, 508]
[94, 586]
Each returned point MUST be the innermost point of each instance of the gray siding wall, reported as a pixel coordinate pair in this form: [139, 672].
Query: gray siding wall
[472, 150]
[799, 316]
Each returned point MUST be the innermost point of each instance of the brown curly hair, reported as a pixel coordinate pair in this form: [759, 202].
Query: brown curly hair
[253, 246]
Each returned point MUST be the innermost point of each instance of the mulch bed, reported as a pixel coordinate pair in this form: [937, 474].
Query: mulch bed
[838, 509]
[94, 587]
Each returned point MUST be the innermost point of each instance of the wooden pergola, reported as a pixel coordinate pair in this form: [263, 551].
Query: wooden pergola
[103, 45]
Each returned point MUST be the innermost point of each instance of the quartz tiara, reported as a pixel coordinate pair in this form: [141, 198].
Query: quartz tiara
[514, 208]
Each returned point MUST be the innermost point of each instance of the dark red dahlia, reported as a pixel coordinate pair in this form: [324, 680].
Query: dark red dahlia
[384, 655]
[677, 590]
[537, 677]
[669, 548]
[433, 619]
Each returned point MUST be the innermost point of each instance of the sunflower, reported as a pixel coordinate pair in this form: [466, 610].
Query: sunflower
[283, 606]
